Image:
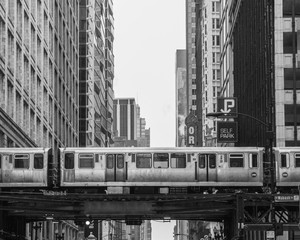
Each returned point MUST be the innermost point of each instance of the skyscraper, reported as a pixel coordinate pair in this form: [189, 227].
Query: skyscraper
[208, 31]
[39, 73]
[39, 84]
[181, 97]
[143, 134]
[96, 72]
[190, 54]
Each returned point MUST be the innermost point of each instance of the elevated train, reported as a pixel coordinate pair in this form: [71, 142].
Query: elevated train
[146, 170]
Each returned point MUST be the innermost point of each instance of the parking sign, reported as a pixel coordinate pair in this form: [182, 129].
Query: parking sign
[228, 106]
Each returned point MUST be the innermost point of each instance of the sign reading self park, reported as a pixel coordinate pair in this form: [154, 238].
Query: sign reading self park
[227, 132]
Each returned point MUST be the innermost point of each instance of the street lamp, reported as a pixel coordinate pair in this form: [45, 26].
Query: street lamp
[270, 136]
[91, 237]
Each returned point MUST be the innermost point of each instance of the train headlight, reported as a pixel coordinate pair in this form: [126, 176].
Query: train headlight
[254, 174]
[285, 174]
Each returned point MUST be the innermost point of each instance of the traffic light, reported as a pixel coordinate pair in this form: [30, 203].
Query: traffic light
[278, 229]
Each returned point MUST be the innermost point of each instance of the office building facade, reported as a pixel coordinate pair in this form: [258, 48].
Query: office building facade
[125, 118]
[266, 86]
[39, 86]
[181, 97]
[96, 72]
[38, 71]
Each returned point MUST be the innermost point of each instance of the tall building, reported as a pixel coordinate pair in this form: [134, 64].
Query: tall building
[96, 72]
[129, 128]
[208, 60]
[38, 72]
[125, 118]
[251, 77]
[143, 134]
[39, 84]
[146, 230]
[191, 54]
[181, 97]
[265, 84]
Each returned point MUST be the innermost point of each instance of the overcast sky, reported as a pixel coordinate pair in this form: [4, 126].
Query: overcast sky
[147, 34]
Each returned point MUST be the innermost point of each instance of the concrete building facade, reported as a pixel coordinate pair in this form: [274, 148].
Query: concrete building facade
[96, 72]
[38, 70]
[208, 53]
[181, 97]
[125, 118]
[39, 88]
[191, 55]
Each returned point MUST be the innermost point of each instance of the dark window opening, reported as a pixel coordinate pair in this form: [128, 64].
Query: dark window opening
[21, 161]
[110, 161]
[161, 160]
[69, 160]
[143, 160]
[38, 162]
[86, 160]
[236, 160]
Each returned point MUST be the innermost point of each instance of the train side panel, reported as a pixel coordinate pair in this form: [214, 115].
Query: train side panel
[287, 166]
[24, 167]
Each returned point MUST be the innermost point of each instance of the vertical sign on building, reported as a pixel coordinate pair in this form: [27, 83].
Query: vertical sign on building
[191, 122]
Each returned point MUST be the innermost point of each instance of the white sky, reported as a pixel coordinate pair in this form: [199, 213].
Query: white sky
[147, 35]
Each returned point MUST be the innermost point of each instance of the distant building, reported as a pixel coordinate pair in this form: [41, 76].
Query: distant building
[181, 97]
[191, 55]
[125, 118]
[143, 134]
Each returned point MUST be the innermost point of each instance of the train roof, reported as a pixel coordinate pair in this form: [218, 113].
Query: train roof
[163, 149]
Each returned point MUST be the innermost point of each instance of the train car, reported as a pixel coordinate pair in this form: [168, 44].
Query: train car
[287, 161]
[161, 168]
[24, 167]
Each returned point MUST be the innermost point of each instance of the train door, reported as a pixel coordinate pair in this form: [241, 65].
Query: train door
[207, 167]
[284, 169]
[115, 168]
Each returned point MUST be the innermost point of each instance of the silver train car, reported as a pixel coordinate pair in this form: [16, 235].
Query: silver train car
[287, 161]
[24, 167]
[161, 167]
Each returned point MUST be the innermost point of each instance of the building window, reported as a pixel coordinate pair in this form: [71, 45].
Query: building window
[288, 78]
[288, 42]
[289, 114]
[288, 6]
[216, 40]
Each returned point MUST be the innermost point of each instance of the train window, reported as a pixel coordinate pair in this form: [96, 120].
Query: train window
[284, 160]
[86, 160]
[212, 160]
[143, 160]
[38, 162]
[69, 160]
[253, 160]
[161, 160]
[297, 159]
[178, 160]
[202, 161]
[236, 160]
[133, 158]
[120, 161]
[110, 161]
[21, 161]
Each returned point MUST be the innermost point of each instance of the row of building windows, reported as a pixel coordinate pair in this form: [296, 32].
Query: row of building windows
[30, 118]
[39, 43]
